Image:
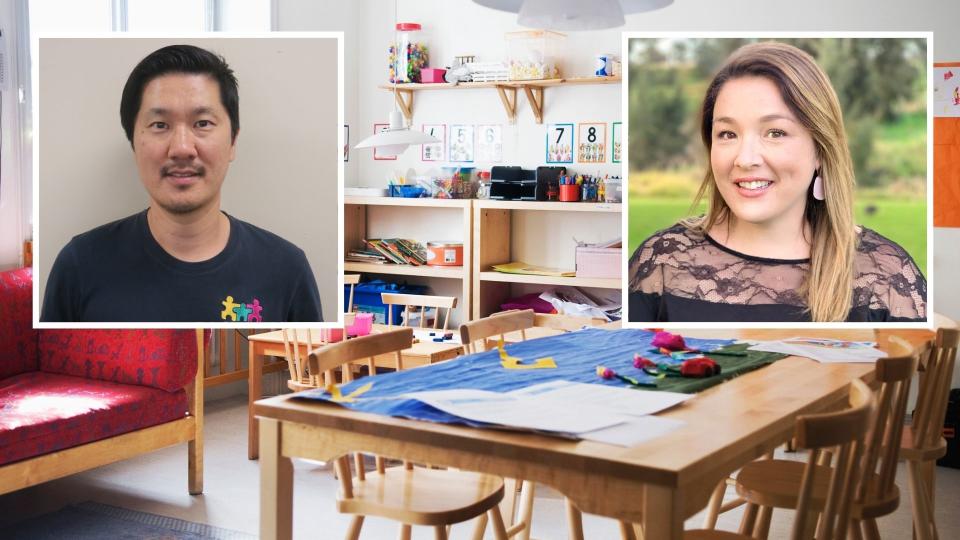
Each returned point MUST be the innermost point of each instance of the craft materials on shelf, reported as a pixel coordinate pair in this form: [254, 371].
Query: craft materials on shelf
[533, 54]
[488, 71]
[408, 55]
[604, 65]
[432, 75]
[612, 189]
[531, 270]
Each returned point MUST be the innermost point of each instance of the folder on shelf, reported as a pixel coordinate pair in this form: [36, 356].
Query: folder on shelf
[532, 270]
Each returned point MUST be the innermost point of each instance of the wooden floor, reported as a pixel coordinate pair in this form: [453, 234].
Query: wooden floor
[157, 483]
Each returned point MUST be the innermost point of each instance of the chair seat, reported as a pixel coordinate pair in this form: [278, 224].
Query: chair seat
[423, 496]
[709, 534]
[776, 483]
[911, 452]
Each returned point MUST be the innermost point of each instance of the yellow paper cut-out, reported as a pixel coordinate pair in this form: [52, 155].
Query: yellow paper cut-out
[338, 397]
[512, 362]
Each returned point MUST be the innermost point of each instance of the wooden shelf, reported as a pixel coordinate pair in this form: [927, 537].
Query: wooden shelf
[507, 90]
[408, 201]
[602, 283]
[554, 206]
[453, 272]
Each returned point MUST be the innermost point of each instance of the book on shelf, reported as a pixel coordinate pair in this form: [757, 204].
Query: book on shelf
[395, 250]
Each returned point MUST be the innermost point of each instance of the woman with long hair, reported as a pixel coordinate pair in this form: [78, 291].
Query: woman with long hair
[778, 241]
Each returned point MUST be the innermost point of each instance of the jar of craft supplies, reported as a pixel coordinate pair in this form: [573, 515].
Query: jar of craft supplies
[408, 54]
[534, 54]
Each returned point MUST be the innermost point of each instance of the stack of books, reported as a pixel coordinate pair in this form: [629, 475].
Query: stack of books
[389, 251]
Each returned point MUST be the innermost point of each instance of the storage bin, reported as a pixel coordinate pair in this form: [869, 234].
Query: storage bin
[432, 75]
[613, 190]
[410, 55]
[594, 262]
[362, 325]
[533, 54]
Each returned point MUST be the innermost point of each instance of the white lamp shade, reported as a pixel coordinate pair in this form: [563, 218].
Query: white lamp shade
[627, 6]
[571, 14]
[395, 139]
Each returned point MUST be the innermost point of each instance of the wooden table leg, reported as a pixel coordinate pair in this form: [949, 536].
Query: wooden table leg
[276, 486]
[662, 513]
[254, 392]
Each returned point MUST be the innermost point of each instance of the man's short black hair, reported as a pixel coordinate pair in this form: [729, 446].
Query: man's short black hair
[179, 59]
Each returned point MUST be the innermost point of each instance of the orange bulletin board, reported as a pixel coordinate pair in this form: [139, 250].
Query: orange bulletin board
[946, 153]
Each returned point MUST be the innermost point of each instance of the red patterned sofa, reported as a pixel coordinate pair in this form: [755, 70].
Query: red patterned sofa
[72, 400]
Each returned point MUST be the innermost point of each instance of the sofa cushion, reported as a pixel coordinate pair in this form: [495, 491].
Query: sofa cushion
[45, 412]
[18, 339]
[165, 359]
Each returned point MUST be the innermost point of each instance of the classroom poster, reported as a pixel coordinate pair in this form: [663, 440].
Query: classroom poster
[434, 152]
[377, 128]
[946, 144]
[617, 143]
[489, 143]
[559, 143]
[592, 142]
[460, 146]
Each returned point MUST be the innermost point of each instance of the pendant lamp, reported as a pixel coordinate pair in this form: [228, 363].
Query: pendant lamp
[573, 14]
[397, 137]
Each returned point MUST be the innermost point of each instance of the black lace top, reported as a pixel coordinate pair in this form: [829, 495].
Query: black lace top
[681, 275]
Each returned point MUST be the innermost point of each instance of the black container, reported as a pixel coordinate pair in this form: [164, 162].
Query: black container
[548, 180]
[512, 183]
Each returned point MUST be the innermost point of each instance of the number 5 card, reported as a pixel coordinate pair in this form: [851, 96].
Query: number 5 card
[592, 142]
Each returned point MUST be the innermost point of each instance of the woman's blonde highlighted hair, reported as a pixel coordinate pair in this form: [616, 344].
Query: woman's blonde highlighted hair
[808, 93]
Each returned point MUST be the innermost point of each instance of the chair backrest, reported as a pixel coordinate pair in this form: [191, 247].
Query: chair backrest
[328, 357]
[841, 432]
[494, 325]
[293, 340]
[882, 444]
[935, 388]
[351, 280]
[421, 301]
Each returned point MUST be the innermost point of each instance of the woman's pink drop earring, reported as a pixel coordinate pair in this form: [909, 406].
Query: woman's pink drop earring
[818, 188]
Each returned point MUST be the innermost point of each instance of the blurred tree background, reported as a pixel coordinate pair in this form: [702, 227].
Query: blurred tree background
[881, 84]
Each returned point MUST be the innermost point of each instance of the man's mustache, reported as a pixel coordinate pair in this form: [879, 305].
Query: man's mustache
[168, 170]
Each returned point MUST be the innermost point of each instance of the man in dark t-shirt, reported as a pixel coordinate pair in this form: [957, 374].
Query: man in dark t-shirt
[183, 259]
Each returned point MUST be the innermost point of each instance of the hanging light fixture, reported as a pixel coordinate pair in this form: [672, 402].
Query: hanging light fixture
[397, 137]
[573, 14]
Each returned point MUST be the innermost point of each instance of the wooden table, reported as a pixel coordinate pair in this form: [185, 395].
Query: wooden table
[271, 344]
[658, 483]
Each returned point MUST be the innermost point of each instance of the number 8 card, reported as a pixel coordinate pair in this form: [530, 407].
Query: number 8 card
[592, 142]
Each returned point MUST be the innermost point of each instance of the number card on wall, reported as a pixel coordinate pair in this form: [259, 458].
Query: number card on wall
[434, 152]
[592, 142]
[346, 142]
[617, 142]
[489, 143]
[377, 128]
[460, 145]
[559, 143]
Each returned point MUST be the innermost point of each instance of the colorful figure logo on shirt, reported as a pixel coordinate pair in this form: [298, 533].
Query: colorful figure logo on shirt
[241, 312]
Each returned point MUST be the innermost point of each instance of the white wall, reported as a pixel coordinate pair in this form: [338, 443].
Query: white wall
[15, 180]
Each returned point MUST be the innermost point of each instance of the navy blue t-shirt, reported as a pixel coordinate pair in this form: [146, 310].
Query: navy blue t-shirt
[119, 273]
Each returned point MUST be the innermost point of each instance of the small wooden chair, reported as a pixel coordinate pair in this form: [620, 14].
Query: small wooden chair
[294, 339]
[497, 324]
[478, 331]
[841, 432]
[923, 443]
[351, 280]
[412, 496]
[421, 301]
[776, 483]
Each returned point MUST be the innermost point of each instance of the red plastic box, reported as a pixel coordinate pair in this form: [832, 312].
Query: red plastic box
[432, 75]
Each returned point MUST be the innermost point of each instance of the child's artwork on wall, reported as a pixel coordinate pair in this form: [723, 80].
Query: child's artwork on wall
[559, 143]
[434, 152]
[460, 145]
[489, 143]
[592, 142]
[946, 144]
[946, 91]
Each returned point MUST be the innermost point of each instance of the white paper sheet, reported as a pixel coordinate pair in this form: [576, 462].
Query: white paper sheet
[824, 350]
[528, 412]
[614, 400]
[634, 431]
